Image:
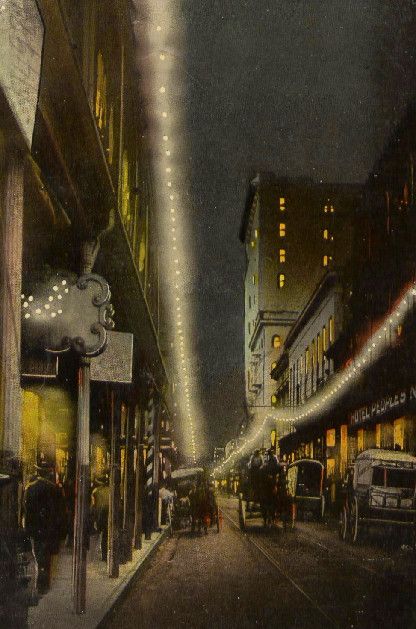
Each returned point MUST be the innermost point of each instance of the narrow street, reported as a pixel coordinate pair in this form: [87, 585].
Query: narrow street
[291, 579]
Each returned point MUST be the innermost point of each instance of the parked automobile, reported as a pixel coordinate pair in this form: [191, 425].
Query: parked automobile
[380, 491]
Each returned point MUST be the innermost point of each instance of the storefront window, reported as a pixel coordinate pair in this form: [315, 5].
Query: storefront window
[360, 440]
[330, 438]
[344, 449]
[398, 433]
[378, 435]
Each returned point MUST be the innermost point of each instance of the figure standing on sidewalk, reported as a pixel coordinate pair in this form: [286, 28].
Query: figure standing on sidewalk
[100, 499]
[44, 517]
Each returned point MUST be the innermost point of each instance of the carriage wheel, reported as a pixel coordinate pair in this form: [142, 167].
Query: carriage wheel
[321, 511]
[242, 514]
[343, 523]
[354, 519]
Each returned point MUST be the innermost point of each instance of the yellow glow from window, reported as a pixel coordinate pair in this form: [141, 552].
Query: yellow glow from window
[325, 234]
[256, 233]
[281, 280]
[276, 341]
[378, 435]
[254, 279]
[325, 261]
[274, 365]
[332, 209]
[330, 438]
[360, 439]
[324, 339]
[282, 204]
[282, 255]
[274, 400]
[398, 432]
[253, 244]
[331, 330]
[282, 229]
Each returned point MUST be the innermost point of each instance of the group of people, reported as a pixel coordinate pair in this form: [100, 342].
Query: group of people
[267, 484]
[202, 505]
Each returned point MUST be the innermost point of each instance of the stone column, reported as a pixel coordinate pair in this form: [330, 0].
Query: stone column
[11, 286]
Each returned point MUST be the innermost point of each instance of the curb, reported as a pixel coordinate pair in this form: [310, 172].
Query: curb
[132, 580]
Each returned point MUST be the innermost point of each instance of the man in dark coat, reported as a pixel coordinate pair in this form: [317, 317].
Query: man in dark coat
[44, 511]
[100, 499]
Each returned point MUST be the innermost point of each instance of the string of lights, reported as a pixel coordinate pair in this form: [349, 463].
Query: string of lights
[338, 385]
[165, 96]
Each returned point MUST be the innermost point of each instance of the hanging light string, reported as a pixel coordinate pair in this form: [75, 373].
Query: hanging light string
[166, 105]
[339, 384]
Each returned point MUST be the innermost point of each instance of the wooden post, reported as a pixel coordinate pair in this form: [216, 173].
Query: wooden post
[82, 488]
[139, 480]
[128, 489]
[11, 288]
[156, 464]
[114, 507]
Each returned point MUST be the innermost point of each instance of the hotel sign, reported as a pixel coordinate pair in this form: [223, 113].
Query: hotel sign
[382, 406]
[21, 44]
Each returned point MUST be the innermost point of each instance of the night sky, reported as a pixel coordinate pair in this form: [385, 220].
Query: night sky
[304, 88]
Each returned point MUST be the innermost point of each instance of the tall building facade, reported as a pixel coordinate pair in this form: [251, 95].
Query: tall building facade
[293, 231]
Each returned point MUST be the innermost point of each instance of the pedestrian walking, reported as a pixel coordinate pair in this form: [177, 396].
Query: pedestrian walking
[44, 520]
[100, 503]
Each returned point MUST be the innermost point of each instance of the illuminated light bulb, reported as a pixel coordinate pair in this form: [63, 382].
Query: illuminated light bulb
[171, 197]
[38, 310]
[47, 306]
[162, 89]
[22, 296]
[169, 184]
[63, 282]
[25, 304]
[67, 290]
[374, 344]
[172, 209]
[59, 311]
[158, 28]
[53, 315]
[168, 169]
[55, 288]
[165, 138]
[176, 261]
[174, 240]
[178, 272]
[50, 298]
[173, 219]
[27, 316]
[162, 57]
[177, 298]
[168, 154]
[30, 298]
[164, 114]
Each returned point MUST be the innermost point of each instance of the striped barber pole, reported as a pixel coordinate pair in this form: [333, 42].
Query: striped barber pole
[150, 458]
[151, 491]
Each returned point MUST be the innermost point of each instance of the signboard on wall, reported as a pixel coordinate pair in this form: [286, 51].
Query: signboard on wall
[383, 405]
[21, 43]
[115, 364]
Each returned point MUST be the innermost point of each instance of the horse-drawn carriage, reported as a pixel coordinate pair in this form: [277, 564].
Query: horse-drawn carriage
[195, 505]
[305, 483]
[263, 494]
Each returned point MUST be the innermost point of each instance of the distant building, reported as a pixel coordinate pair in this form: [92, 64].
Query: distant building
[219, 454]
[294, 231]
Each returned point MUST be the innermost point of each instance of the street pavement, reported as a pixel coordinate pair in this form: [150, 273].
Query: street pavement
[302, 578]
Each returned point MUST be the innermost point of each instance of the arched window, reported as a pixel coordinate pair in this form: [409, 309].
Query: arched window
[276, 341]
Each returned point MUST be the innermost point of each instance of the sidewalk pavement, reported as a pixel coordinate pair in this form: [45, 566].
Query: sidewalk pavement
[55, 609]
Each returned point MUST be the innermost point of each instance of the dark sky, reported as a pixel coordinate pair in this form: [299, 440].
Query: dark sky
[310, 87]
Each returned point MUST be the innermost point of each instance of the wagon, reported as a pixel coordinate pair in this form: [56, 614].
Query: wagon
[305, 482]
[380, 491]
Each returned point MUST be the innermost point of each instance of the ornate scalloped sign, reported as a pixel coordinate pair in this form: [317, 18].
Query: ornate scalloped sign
[64, 315]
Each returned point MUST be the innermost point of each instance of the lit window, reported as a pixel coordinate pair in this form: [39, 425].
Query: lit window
[253, 244]
[325, 234]
[331, 330]
[325, 209]
[332, 209]
[282, 230]
[325, 261]
[281, 280]
[282, 204]
[256, 233]
[330, 438]
[324, 339]
[276, 341]
[254, 279]
[282, 255]
[274, 400]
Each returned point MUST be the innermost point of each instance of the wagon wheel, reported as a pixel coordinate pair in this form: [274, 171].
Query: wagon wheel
[354, 520]
[343, 523]
[321, 508]
[242, 513]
